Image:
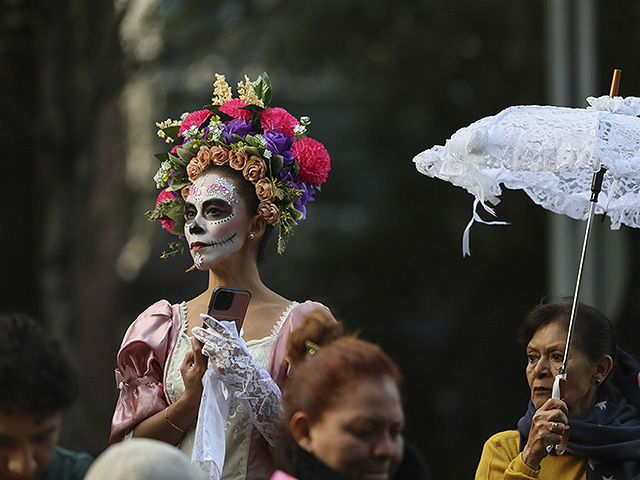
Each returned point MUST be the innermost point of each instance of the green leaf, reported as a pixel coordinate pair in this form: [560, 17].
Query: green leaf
[235, 138]
[175, 162]
[216, 110]
[177, 229]
[295, 167]
[162, 156]
[252, 108]
[256, 124]
[172, 132]
[296, 214]
[276, 164]
[253, 141]
[186, 153]
[263, 89]
[177, 184]
[251, 151]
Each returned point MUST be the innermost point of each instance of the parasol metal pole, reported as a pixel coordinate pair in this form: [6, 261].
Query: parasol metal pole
[561, 379]
[615, 82]
[596, 187]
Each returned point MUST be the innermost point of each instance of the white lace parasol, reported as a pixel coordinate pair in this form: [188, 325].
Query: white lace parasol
[572, 161]
[552, 154]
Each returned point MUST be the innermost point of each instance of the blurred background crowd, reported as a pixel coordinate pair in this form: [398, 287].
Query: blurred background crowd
[83, 83]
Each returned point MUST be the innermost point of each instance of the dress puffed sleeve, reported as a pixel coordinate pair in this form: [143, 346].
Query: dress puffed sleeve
[278, 365]
[141, 362]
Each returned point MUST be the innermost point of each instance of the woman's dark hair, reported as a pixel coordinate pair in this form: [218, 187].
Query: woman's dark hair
[593, 333]
[247, 191]
[35, 375]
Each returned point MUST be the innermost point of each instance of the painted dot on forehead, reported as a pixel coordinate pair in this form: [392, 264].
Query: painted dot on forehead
[221, 188]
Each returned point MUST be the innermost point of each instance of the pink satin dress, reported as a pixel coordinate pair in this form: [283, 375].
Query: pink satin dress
[144, 360]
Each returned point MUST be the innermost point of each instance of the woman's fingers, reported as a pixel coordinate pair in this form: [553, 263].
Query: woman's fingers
[187, 362]
[554, 410]
[214, 325]
[203, 334]
[199, 359]
[547, 426]
[195, 362]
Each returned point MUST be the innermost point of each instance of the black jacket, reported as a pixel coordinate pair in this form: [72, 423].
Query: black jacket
[304, 466]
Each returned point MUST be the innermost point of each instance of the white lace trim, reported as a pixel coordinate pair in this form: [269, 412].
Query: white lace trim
[276, 328]
[624, 106]
[261, 349]
[183, 318]
[551, 153]
[174, 384]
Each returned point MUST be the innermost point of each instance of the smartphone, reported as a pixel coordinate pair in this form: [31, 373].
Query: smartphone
[229, 304]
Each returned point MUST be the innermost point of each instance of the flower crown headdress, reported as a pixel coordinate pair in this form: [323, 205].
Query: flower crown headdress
[268, 145]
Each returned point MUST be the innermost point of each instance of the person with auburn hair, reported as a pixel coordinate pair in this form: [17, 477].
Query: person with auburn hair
[600, 410]
[343, 415]
[236, 171]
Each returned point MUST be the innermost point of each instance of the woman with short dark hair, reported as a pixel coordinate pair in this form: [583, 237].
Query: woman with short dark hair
[600, 410]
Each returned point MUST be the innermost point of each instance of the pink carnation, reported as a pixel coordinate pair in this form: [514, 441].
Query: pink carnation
[278, 119]
[313, 160]
[233, 108]
[166, 195]
[194, 118]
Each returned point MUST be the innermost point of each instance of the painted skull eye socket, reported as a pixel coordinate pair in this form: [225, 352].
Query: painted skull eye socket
[216, 210]
[189, 212]
[212, 210]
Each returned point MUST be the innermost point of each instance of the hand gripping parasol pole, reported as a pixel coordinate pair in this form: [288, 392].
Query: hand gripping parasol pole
[561, 378]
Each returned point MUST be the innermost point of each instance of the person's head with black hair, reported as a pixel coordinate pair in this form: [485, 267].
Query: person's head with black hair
[38, 383]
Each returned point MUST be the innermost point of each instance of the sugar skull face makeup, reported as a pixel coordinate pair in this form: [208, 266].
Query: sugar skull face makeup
[216, 221]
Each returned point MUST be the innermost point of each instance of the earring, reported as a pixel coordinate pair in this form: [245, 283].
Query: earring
[251, 236]
[597, 382]
[304, 445]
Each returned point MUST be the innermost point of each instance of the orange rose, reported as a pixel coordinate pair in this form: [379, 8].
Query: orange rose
[194, 169]
[254, 169]
[204, 157]
[237, 159]
[269, 211]
[219, 155]
[264, 189]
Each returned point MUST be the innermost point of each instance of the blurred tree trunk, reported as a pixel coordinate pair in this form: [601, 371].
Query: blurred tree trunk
[79, 189]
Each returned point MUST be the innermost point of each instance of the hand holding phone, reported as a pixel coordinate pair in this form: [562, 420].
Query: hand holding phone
[229, 304]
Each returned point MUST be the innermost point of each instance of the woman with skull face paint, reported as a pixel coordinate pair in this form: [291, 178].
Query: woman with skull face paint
[237, 171]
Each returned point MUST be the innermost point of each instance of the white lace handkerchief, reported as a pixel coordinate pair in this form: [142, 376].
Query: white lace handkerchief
[209, 445]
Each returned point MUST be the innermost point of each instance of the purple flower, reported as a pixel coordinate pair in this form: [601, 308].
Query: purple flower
[279, 143]
[238, 126]
[306, 196]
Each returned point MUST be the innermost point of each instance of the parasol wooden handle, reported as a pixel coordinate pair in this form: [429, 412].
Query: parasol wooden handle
[615, 83]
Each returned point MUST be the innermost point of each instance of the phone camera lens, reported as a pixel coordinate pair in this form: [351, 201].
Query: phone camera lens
[223, 300]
